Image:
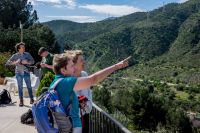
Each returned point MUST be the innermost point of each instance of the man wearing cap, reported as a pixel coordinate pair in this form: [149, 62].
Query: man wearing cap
[47, 61]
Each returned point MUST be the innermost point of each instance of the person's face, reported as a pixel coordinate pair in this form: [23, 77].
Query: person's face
[70, 68]
[21, 48]
[44, 54]
[80, 64]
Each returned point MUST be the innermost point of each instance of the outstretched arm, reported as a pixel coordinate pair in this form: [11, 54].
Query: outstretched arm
[85, 82]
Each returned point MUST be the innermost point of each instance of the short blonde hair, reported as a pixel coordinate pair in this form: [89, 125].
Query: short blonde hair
[74, 53]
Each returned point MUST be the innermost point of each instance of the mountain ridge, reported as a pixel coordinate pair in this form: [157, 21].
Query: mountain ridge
[164, 34]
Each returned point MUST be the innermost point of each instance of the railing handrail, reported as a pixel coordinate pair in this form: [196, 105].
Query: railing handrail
[124, 129]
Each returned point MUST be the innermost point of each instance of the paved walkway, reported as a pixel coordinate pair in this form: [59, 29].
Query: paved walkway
[10, 117]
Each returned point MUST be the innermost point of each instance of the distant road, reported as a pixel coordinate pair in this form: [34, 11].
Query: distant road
[162, 82]
[137, 79]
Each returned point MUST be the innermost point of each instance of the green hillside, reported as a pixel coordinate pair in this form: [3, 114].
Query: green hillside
[165, 37]
[69, 33]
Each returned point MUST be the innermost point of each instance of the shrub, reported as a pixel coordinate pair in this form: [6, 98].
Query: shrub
[180, 88]
[5, 71]
[191, 97]
[175, 74]
[45, 82]
[178, 121]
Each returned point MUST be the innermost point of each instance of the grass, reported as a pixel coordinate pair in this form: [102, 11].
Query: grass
[182, 95]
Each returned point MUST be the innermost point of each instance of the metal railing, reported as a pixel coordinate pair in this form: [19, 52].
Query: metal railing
[102, 122]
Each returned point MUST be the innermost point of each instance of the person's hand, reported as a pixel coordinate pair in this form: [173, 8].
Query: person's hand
[24, 62]
[43, 65]
[82, 105]
[122, 64]
[17, 61]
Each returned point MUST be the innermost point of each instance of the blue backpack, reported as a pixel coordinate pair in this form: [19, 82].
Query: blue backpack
[49, 101]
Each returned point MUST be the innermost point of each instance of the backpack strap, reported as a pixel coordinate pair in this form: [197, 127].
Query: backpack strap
[55, 84]
[69, 106]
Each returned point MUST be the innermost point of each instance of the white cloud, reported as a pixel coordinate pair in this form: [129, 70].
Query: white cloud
[182, 1]
[71, 3]
[115, 10]
[56, 3]
[80, 19]
[50, 1]
[58, 6]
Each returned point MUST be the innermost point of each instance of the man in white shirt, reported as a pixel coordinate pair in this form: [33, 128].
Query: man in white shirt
[79, 65]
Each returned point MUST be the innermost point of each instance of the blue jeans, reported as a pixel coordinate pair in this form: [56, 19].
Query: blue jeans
[26, 77]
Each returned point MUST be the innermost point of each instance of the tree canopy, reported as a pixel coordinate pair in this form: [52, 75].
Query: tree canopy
[13, 11]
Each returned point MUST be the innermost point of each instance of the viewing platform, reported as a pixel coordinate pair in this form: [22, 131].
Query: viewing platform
[100, 121]
[10, 117]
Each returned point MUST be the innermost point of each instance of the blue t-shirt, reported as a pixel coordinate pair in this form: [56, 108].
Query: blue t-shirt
[65, 89]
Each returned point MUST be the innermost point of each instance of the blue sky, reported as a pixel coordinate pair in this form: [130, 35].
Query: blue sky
[92, 10]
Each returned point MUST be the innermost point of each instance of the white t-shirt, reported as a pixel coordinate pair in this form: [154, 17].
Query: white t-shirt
[87, 93]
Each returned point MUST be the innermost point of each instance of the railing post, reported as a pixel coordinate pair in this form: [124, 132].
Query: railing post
[101, 122]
